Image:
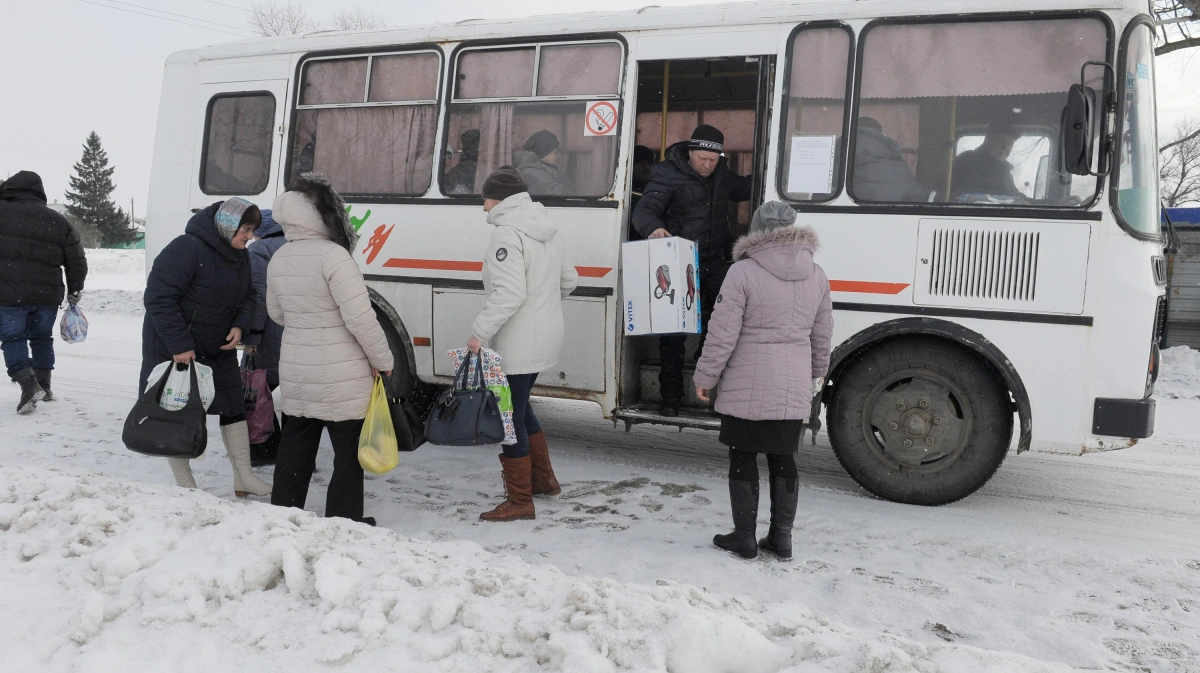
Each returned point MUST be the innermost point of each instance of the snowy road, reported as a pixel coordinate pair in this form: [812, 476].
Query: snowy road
[1090, 561]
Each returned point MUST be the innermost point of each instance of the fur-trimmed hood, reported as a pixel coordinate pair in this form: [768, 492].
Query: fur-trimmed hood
[313, 209]
[786, 252]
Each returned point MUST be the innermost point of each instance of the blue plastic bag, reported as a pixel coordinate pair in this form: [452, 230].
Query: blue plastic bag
[73, 326]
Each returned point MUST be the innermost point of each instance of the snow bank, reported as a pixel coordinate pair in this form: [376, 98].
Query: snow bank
[1180, 375]
[99, 575]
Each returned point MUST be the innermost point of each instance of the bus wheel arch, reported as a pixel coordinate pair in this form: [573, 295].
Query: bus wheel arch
[400, 342]
[954, 442]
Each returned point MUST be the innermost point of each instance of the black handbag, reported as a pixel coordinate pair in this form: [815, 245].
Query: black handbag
[467, 414]
[153, 431]
[408, 424]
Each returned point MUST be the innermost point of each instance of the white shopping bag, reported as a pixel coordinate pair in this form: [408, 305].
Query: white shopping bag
[179, 385]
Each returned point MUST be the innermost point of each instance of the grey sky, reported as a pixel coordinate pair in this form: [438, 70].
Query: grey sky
[72, 66]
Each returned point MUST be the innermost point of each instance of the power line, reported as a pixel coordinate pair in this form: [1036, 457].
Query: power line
[163, 11]
[163, 18]
[240, 9]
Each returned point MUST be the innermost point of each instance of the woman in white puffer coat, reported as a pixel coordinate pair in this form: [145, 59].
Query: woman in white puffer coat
[526, 275]
[332, 345]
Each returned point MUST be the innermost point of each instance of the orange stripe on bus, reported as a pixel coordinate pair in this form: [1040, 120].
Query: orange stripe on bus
[456, 265]
[866, 287]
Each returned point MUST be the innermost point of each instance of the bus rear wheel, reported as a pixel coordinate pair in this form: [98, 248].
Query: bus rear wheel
[920, 421]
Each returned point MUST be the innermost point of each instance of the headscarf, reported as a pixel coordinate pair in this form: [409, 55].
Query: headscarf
[229, 217]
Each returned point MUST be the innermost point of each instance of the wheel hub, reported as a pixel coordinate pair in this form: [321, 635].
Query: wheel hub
[917, 420]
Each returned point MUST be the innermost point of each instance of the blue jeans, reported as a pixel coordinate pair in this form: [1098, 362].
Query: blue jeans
[525, 422]
[25, 328]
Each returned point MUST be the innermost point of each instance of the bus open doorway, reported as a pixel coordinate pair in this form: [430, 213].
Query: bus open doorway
[732, 94]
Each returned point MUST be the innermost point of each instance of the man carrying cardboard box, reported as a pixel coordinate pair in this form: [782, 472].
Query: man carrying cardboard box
[688, 196]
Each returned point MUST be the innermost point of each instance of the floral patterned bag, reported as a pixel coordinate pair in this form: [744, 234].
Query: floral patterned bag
[496, 381]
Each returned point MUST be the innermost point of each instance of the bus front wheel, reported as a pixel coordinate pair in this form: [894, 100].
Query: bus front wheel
[920, 421]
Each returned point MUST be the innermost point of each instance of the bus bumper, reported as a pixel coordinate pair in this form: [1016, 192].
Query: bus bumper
[1123, 417]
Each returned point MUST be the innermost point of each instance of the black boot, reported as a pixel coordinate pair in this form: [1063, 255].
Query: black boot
[784, 494]
[31, 392]
[43, 379]
[669, 407]
[743, 496]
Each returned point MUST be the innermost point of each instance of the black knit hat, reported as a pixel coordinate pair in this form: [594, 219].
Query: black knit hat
[707, 138]
[541, 143]
[503, 183]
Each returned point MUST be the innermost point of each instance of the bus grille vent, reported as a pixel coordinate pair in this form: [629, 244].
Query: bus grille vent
[984, 264]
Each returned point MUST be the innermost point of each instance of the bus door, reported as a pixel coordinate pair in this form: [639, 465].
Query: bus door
[733, 94]
[239, 144]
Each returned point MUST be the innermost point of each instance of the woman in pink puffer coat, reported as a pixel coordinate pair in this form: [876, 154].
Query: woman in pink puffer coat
[766, 355]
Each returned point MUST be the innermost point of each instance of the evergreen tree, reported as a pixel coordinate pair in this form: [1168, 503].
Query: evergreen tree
[90, 198]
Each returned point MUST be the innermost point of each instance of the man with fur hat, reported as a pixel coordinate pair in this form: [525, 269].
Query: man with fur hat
[688, 196]
[539, 166]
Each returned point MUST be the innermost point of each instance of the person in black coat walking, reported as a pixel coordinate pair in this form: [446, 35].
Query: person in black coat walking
[688, 196]
[265, 337]
[199, 302]
[36, 245]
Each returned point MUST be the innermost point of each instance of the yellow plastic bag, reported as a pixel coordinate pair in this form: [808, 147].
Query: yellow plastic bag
[377, 448]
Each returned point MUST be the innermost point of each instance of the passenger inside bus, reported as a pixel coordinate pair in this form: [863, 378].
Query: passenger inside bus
[461, 178]
[880, 171]
[985, 171]
[537, 162]
[643, 161]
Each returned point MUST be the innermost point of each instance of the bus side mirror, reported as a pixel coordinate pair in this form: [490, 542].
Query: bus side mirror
[1076, 133]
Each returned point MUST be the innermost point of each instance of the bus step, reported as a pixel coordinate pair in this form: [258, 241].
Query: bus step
[636, 414]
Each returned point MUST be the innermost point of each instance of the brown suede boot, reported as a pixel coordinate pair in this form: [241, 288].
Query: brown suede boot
[519, 503]
[543, 479]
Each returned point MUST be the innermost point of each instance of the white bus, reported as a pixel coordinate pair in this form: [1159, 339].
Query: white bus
[984, 183]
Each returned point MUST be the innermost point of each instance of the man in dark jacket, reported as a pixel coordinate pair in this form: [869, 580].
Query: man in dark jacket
[538, 165]
[36, 245]
[688, 196]
[461, 178]
[265, 337]
[880, 172]
[985, 169]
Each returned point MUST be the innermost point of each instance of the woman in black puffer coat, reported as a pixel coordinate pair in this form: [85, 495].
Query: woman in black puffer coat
[199, 302]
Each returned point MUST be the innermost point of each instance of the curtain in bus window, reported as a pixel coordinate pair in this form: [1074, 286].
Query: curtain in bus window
[925, 86]
[404, 77]
[578, 69]
[238, 147]
[495, 140]
[495, 73]
[333, 82]
[816, 109]
[376, 150]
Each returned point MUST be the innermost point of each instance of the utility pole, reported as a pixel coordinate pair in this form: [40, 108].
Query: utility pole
[132, 219]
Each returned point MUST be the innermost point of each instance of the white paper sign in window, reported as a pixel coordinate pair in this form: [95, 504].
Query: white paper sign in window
[810, 168]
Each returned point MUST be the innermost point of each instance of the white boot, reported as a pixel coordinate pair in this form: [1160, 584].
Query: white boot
[182, 469]
[237, 443]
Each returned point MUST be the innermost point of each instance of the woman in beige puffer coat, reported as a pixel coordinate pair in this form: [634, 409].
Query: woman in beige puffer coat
[526, 275]
[332, 345]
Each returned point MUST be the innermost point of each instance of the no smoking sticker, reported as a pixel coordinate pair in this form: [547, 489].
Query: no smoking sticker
[600, 119]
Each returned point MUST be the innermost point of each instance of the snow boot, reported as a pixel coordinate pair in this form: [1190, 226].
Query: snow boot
[31, 392]
[519, 501]
[743, 496]
[784, 494]
[237, 444]
[542, 473]
[669, 407]
[182, 469]
[43, 379]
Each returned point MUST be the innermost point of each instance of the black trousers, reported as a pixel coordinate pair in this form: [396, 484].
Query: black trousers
[672, 346]
[743, 466]
[298, 458]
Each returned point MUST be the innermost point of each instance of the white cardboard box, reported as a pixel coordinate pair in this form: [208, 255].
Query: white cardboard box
[660, 282]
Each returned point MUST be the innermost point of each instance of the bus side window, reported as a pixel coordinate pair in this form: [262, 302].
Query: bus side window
[237, 144]
[816, 108]
[541, 127]
[964, 112]
[368, 122]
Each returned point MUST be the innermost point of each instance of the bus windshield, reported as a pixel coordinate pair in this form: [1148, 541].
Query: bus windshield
[1137, 171]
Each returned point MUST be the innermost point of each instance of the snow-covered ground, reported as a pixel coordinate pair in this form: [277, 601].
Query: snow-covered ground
[1090, 562]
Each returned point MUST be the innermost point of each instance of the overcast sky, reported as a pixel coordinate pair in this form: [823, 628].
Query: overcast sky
[72, 66]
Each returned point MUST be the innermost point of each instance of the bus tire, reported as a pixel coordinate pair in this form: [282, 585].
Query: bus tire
[920, 421]
[403, 379]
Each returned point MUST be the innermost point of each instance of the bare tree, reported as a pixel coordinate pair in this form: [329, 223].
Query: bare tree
[1178, 24]
[270, 18]
[1179, 170]
[357, 19]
